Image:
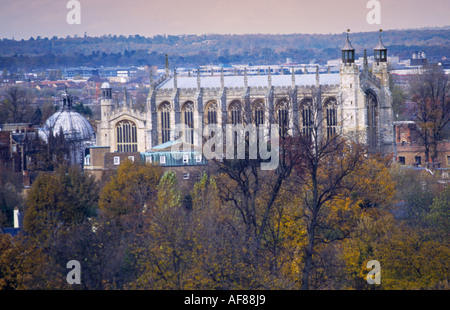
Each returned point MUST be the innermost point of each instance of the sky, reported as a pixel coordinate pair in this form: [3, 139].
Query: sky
[22, 19]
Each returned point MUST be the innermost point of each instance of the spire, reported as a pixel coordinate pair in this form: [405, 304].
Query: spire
[317, 77]
[175, 80]
[199, 84]
[348, 52]
[245, 78]
[222, 79]
[151, 78]
[269, 77]
[366, 63]
[380, 51]
[167, 66]
[125, 96]
[293, 77]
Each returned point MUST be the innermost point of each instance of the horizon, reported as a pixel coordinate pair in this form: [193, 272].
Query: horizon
[25, 19]
[76, 35]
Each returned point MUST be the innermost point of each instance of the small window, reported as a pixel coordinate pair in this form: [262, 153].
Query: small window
[401, 160]
[131, 158]
[116, 160]
[185, 159]
[198, 158]
[186, 176]
[149, 159]
[448, 159]
[418, 160]
[162, 159]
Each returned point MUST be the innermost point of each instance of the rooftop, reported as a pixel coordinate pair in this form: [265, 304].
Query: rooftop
[253, 81]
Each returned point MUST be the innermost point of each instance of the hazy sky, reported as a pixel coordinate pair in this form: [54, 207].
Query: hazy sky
[23, 19]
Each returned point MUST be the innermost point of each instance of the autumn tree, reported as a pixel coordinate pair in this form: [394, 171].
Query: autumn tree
[131, 189]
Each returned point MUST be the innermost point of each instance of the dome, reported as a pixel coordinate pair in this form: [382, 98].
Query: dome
[74, 126]
[105, 85]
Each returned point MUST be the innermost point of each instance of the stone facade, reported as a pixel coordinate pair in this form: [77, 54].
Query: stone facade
[359, 97]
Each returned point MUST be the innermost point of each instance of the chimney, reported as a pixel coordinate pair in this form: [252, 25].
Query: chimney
[16, 217]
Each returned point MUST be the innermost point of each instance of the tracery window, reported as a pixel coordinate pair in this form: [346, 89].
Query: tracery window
[331, 117]
[283, 117]
[371, 103]
[164, 111]
[236, 112]
[258, 113]
[126, 133]
[188, 120]
[211, 114]
[307, 118]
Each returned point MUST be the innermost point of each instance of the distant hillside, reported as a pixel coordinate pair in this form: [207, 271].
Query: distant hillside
[192, 50]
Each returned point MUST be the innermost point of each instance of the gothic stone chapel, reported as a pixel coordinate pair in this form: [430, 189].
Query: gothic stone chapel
[355, 102]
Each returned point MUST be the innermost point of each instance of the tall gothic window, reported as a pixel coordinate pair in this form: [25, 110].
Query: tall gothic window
[331, 117]
[236, 112]
[371, 100]
[307, 118]
[212, 111]
[283, 117]
[188, 118]
[164, 111]
[211, 114]
[126, 134]
[258, 113]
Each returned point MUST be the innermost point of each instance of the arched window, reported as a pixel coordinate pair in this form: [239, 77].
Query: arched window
[126, 133]
[211, 116]
[188, 121]
[371, 102]
[164, 112]
[307, 117]
[331, 116]
[258, 113]
[283, 116]
[235, 110]
[211, 113]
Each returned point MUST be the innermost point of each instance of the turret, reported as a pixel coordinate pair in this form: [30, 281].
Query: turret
[106, 102]
[380, 65]
[348, 52]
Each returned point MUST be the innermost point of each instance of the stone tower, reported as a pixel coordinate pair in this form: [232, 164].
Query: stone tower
[351, 98]
[106, 102]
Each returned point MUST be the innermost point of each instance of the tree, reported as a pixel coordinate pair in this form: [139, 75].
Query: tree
[57, 201]
[16, 106]
[131, 189]
[430, 90]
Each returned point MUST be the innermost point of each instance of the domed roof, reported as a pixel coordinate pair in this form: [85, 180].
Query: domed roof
[105, 85]
[74, 126]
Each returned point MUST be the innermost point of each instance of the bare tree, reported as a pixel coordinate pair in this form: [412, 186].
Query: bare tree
[16, 105]
[328, 158]
[430, 90]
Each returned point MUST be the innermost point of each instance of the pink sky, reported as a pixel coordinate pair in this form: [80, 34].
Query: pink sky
[47, 18]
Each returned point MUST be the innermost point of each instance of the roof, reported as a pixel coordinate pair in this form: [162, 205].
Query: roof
[380, 46]
[253, 81]
[10, 230]
[348, 46]
[73, 124]
[170, 146]
[105, 85]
